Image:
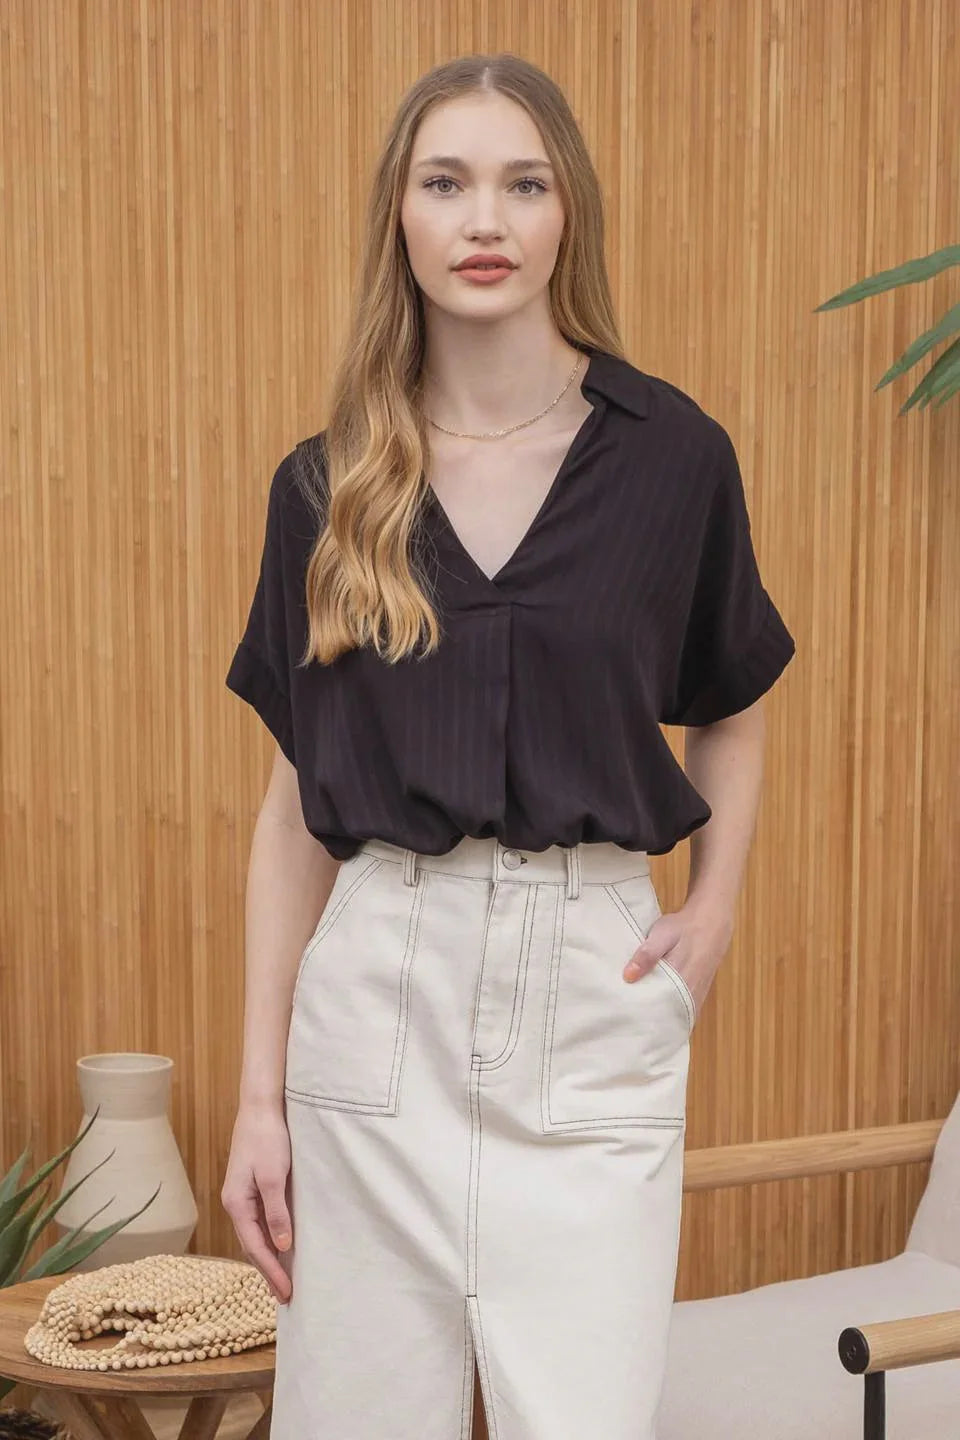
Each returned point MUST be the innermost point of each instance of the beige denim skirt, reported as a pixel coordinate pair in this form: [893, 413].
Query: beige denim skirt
[487, 1127]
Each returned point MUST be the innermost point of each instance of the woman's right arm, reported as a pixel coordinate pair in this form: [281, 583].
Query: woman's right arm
[289, 879]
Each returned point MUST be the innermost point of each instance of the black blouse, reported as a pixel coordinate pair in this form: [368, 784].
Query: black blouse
[632, 601]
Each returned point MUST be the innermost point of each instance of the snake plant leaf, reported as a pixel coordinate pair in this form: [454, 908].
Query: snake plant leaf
[45, 1264]
[10, 1204]
[47, 1215]
[13, 1240]
[11, 1180]
[69, 1256]
[942, 376]
[920, 346]
[910, 271]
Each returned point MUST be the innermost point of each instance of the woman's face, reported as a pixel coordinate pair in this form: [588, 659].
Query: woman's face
[476, 199]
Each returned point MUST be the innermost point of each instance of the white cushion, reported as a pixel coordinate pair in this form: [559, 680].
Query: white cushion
[936, 1225]
[763, 1365]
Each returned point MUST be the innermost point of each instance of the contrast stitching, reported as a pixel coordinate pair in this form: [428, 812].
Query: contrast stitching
[332, 1102]
[391, 1104]
[483, 958]
[448, 874]
[520, 985]
[683, 990]
[406, 966]
[466, 1394]
[624, 909]
[473, 1177]
[327, 922]
[592, 1122]
[546, 1050]
[491, 1413]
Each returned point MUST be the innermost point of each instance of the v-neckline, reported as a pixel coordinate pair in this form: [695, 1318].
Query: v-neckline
[495, 582]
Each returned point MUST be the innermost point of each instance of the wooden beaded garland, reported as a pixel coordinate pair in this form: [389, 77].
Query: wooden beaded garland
[171, 1308]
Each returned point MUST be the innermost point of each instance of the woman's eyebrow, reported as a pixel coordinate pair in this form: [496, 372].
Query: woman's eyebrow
[453, 162]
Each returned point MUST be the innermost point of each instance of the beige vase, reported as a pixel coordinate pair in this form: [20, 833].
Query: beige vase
[133, 1093]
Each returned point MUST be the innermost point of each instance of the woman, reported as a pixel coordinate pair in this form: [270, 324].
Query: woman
[507, 560]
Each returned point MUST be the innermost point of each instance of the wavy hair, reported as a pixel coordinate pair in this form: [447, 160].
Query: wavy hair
[365, 479]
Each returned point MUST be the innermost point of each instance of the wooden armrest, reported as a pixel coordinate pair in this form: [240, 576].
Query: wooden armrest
[891, 1344]
[714, 1167]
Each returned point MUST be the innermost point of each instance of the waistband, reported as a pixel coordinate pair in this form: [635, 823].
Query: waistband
[597, 863]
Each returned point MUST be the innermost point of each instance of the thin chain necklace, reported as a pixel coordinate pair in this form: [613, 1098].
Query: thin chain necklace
[496, 434]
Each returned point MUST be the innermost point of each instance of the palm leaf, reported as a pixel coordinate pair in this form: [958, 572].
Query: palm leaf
[943, 376]
[920, 346]
[948, 376]
[906, 274]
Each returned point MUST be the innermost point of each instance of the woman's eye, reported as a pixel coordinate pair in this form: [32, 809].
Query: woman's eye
[446, 180]
[439, 180]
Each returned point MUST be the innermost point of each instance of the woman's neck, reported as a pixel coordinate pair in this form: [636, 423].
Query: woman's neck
[486, 377]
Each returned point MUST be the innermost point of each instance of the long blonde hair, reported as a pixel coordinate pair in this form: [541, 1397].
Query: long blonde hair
[366, 479]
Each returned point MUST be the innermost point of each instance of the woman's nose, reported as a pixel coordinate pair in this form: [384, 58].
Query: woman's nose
[485, 216]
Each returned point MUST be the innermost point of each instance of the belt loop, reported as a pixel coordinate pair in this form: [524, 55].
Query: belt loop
[573, 872]
[409, 867]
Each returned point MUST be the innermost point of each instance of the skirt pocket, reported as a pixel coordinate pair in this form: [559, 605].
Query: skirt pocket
[348, 1018]
[614, 1053]
[634, 899]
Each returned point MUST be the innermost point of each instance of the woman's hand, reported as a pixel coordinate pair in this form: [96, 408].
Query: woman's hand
[693, 940]
[254, 1190]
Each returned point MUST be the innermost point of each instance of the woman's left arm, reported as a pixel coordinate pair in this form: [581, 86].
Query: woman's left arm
[724, 763]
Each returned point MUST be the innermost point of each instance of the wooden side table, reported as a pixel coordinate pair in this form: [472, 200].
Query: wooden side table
[104, 1404]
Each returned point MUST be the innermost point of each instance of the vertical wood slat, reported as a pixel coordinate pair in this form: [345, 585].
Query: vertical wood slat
[182, 188]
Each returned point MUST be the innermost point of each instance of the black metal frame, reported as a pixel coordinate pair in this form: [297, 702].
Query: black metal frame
[855, 1355]
[874, 1406]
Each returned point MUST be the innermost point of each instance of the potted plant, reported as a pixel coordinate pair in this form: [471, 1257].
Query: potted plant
[23, 1215]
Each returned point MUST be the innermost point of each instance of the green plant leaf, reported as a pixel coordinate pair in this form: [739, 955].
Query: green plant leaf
[70, 1256]
[44, 1219]
[920, 346]
[13, 1240]
[950, 390]
[11, 1180]
[45, 1264]
[11, 1204]
[948, 378]
[906, 274]
[938, 377]
[941, 373]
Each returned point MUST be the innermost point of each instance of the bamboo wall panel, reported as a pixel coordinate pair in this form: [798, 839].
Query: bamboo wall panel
[181, 190]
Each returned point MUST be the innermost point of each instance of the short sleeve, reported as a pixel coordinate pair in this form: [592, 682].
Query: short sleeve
[734, 644]
[262, 665]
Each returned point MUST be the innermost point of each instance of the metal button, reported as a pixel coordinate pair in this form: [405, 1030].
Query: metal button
[512, 859]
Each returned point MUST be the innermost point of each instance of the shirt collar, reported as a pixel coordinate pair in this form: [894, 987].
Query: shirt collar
[616, 379]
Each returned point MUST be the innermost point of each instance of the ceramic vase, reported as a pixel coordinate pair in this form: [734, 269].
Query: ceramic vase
[133, 1093]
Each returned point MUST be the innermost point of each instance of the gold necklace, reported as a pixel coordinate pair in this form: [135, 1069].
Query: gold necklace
[496, 434]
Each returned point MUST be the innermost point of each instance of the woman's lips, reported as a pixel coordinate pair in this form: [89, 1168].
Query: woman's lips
[488, 275]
